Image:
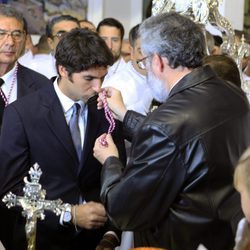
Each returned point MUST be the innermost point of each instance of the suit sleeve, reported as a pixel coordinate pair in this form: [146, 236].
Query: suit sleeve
[14, 155]
[119, 142]
[131, 124]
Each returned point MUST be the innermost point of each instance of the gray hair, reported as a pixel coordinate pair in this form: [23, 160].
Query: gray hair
[174, 37]
[8, 11]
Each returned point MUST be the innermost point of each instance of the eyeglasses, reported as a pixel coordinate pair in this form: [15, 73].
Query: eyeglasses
[16, 35]
[142, 63]
[60, 34]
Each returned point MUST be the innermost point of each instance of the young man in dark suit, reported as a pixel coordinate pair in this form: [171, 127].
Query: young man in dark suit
[37, 129]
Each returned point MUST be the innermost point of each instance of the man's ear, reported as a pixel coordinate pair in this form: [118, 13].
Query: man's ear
[50, 43]
[158, 64]
[62, 71]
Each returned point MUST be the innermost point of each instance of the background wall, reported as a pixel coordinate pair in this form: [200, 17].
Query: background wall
[130, 12]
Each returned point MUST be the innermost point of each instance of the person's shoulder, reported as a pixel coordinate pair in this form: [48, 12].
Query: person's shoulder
[32, 74]
[119, 78]
[31, 103]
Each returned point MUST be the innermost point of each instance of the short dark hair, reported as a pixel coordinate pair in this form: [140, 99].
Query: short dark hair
[174, 37]
[57, 19]
[134, 35]
[112, 23]
[225, 67]
[82, 49]
[8, 11]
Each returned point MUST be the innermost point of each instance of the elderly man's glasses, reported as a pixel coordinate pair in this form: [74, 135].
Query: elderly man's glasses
[16, 35]
[60, 34]
[142, 62]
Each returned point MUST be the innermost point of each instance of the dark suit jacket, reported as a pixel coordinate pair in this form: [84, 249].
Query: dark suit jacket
[28, 81]
[35, 130]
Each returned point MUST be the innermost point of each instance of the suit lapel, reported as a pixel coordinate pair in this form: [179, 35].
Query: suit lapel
[55, 119]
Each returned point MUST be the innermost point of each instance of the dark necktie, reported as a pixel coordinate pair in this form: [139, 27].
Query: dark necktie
[2, 102]
[74, 129]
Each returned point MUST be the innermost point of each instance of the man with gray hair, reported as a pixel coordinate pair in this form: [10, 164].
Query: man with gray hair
[176, 188]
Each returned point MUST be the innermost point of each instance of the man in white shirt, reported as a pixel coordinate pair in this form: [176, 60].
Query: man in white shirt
[131, 81]
[112, 32]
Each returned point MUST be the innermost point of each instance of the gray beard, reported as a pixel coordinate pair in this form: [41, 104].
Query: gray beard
[159, 91]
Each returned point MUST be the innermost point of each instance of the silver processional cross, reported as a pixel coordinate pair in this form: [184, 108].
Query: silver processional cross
[33, 204]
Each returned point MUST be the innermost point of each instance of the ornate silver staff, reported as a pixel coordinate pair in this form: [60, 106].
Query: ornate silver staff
[33, 204]
[201, 12]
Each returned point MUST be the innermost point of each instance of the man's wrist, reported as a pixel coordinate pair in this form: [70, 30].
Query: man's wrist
[66, 215]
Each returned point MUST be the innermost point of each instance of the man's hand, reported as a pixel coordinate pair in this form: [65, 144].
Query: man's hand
[115, 103]
[102, 152]
[90, 215]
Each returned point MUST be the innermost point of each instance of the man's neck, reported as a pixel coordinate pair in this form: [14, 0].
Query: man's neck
[5, 68]
[176, 75]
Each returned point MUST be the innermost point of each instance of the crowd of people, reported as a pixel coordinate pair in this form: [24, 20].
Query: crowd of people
[175, 176]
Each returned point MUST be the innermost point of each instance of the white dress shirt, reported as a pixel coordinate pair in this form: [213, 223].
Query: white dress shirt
[135, 91]
[115, 68]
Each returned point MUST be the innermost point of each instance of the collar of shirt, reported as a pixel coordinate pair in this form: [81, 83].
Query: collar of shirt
[65, 101]
[8, 81]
